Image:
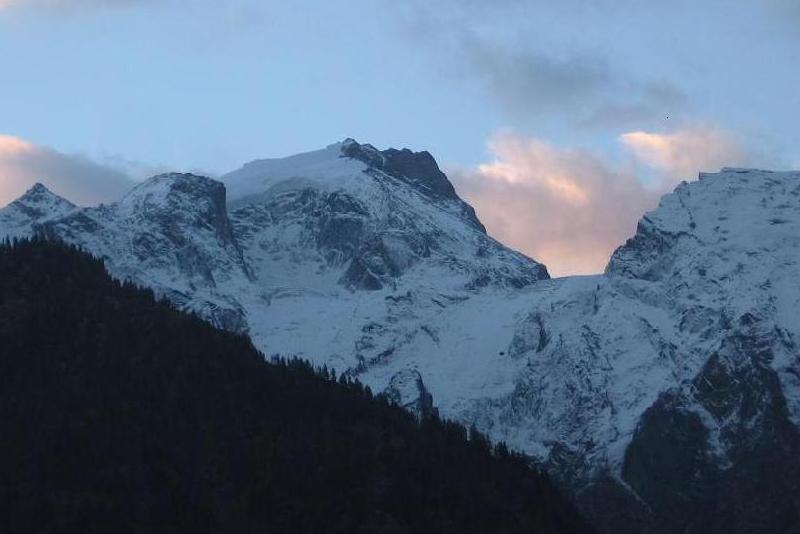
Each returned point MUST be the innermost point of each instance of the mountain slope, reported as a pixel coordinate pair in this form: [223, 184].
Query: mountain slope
[368, 262]
[675, 374]
[367, 219]
[38, 204]
[170, 233]
[124, 415]
[376, 260]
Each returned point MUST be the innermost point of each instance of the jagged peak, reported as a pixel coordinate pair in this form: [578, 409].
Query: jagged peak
[39, 193]
[36, 205]
[365, 153]
[344, 163]
[418, 169]
[37, 188]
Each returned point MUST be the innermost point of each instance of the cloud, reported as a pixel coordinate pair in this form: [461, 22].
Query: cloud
[683, 153]
[529, 82]
[74, 177]
[571, 208]
[528, 85]
[646, 102]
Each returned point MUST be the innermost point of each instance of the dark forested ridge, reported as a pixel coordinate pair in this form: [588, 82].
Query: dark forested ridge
[120, 414]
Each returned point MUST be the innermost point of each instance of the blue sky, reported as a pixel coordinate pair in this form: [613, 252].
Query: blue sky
[511, 96]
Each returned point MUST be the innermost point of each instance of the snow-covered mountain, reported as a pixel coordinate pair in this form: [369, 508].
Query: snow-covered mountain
[37, 205]
[171, 233]
[352, 216]
[661, 386]
[676, 374]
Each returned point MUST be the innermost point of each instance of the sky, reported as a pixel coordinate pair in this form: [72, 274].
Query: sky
[561, 122]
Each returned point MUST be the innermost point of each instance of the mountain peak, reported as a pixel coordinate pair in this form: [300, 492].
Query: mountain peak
[171, 233]
[37, 189]
[739, 213]
[351, 166]
[175, 181]
[38, 193]
[168, 191]
[37, 204]
[416, 168]
[365, 153]
[181, 200]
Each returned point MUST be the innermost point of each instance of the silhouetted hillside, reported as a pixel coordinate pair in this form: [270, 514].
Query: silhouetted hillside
[120, 414]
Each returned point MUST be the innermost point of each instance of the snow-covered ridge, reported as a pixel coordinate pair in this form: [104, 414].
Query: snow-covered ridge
[339, 257]
[342, 167]
[365, 218]
[34, 206]
[345, 218]
[716, 256]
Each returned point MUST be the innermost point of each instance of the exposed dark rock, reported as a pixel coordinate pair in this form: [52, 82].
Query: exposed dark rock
[533, 336]
[720, 455]
[343, 225]
[644, 255]
[406, 389]
[359, 275]
[418, 169]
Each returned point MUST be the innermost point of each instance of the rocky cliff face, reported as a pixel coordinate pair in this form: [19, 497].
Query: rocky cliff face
[418, 169]
[665, 393]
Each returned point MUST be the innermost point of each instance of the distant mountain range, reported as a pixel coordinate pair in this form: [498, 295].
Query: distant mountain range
[665, 393]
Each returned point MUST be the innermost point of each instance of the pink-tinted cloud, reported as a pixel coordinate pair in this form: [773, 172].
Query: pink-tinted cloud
[682, 154]
[75, 177]
[571, 208]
